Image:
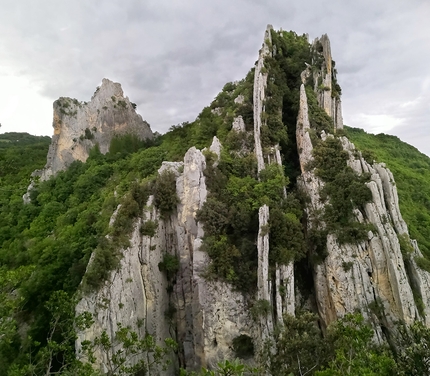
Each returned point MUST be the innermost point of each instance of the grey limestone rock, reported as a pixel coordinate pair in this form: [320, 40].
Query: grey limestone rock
[260, 83]
[238, 124]
[209, 314]
[78, 126]
[362, 275]
[328, 99]
[134, 296]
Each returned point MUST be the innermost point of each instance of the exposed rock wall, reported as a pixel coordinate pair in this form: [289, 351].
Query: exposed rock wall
[134, 296]
[209, 314]
[260, 84]
[78, 126]
[264, 282]
[420, 280]
[370, 276]
[324, 77]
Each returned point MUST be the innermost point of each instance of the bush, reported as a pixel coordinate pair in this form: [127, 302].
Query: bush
[149, 228]
[261, 308]
[169, 265]
[88, 134]
[124, 219]
[405, 245]
[165, 197]
[105, 259]
[423, 263]
[343, 191]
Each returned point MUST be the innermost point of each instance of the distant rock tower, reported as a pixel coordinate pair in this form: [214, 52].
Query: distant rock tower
[78, 126]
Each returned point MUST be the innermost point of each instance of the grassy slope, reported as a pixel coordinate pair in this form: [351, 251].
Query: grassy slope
[411, 170]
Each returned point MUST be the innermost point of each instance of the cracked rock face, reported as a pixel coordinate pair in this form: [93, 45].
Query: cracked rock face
[209, 314]
[78, 126]
[371, 274]
[324, 88]
[134, 296]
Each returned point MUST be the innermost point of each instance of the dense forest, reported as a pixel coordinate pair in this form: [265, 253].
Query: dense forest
[46, 245]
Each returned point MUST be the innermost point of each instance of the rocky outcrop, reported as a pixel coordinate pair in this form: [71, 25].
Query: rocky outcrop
[78, 126]
[369, 276]
[281, 296]
[238, 124]
[264, 283]
[208, 314]
[260, 83]
[324, 76]
[134, 296]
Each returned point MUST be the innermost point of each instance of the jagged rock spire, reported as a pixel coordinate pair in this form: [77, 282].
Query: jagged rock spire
[325, 81]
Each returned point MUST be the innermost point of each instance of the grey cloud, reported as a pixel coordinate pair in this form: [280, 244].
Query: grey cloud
[173, 57]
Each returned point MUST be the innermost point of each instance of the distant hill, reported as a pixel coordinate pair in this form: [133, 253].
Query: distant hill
[20, 155]
[10, 139]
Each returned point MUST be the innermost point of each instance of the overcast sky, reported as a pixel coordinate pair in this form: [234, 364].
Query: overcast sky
[173, 56]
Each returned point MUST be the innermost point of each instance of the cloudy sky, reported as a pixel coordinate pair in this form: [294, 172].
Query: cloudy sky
[173, 56]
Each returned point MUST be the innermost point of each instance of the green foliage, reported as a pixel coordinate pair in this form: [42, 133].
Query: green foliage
[298, 347]
[57, 353]
[413, 349]
[55, 235]
[149, 228]
[282, 95]
[260, 308]
[105, 259]
[225, 368]
[169, 265]
[122, 104]
[128, 354]
[16, 139]
[165, 197]
[423, 263]
[230, 218]
[128, 143]
[405, 245]
[344, 191]
[369, 156]
[347, 348]
[318, 118]
[286, 232]
[224, 257]
[347, 266]
[88, 134]
[355, 353]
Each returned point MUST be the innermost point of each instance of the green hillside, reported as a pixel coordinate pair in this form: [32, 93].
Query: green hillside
[45, 245]
[411, 170]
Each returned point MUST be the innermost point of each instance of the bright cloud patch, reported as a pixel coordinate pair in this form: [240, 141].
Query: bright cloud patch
[376, 123]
